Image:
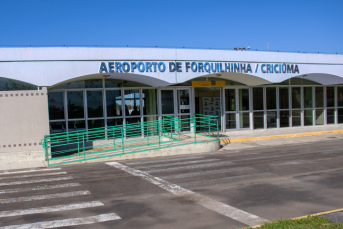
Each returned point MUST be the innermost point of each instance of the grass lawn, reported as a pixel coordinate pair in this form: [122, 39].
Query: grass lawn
[308, 222]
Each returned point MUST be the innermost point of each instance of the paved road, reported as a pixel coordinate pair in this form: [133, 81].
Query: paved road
[222, 189]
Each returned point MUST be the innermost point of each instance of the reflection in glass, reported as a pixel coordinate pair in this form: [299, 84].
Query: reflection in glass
[230, 100]
[257, 93]
[296, 118]
[56, 105]
[94, 104]
[308, 100]
[167, 101]
[244, 120]
[95, 123]
[319, 94]
[76, 125]
[340, 115]
[75, 104]
[151, 126]
[283, 98]
[258, 120]
[271, 98]
[330, 117]
[132, 102]
[96, 83]
[284, 118]
[113, 83]
[271, 119]
[183, 98]
[319, 117]
[185, 123]
[308, 118]
[73, 85]
[330, 96]
[133, 127]
[340, 96]
[243, 99]
[15, 85]
[113, 103]
[230, 121]
[57, 127]
[149, 101]
[296, 97]
[113, 123]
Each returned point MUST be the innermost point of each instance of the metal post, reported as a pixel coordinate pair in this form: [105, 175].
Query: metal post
[209, 127]
[114, 140]
[217, 131]
[159, 134]
[179, 127]
[122, 139]
[84, 149]
[195, 130]
[147, 132]
[78, 144]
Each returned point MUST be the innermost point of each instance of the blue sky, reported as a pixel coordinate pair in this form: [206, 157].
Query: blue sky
[306, 26]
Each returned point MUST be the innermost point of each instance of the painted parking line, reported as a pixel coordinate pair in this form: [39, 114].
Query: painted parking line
[37, 188]
[29, 171]
[44, 197]
[68, 222]
[141, 162]
[33, 175]
[227, 210]
[175, 163]
[36, 181]
[66, 207]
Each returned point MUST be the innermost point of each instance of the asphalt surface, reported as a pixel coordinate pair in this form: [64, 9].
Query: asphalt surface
[270, 183]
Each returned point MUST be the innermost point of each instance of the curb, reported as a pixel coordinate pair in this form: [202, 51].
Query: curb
[228, 140]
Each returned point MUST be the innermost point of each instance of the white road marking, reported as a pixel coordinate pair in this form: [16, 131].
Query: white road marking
[191, 167]
[298, 162]
[211, 172]
[163, 160]
[33, 175]
[30, 171]
[36, 188]
[176, 163]
[229, 211]
[67, 222]
[56, 208]
[36, 181]
[44, 197]
[195, 183]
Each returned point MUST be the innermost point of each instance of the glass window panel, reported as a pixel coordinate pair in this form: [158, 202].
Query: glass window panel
[283, 98]
[330, 117]
[308, 117]
[284, 118]
[95, 123]
[296, 97]
[308, 100]
[151, 125]
[319, 116]
[132, 102]
[75, 104]
[73, 85]
[244, 120]
[300, 81]
[231, 121]
[271, 98]
[230, 100]
[133, 127]
[57, 127]
[114, 122]
[185, 123]
[113, 83]
[98, 123]
[340, 96]
[319, 94]
[133, 84]
[94, 104]
[113, 103]
[257, 98]
[258, 120]
[330, 96]
[56, 105]
[76, 125]
[15, 85]
[271, 119]
[340, 115]
[243, 99]
[149, 101]
[183, 98]
[296, 118]
[96, 83]
[167, 101]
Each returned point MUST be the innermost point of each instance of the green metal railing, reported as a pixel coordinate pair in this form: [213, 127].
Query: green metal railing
[88, 144]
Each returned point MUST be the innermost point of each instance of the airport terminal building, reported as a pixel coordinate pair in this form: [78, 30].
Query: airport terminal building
[61, 89]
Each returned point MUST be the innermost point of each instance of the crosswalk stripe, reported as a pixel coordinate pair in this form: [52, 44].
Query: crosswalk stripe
[36, 181]
[226, 210]
[191, 167]
[176, 163]
[30, 171]
[68, 222]
[211, 181]
[36, 188]
[211, 172]
[163, 160]
[33, 175]
[56, 208]
[44, 197]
